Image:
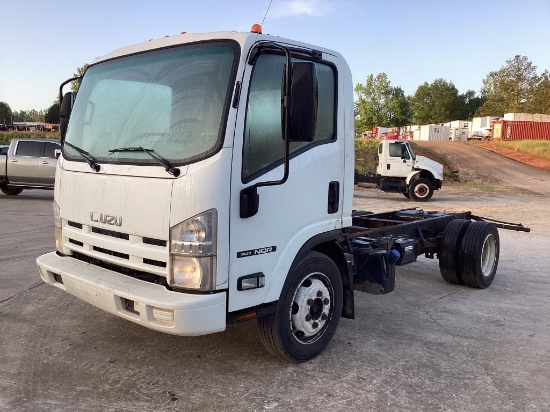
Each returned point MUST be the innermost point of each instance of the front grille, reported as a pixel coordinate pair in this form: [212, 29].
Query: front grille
[112, 253]
[156, 242]
[131, 251]
[111, 233]
[76, 242]
[154, 263]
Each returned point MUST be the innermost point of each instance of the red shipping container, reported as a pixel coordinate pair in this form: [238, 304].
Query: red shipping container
[518, 130]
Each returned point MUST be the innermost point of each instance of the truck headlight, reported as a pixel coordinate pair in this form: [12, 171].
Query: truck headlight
[193, 249]
[58, 230]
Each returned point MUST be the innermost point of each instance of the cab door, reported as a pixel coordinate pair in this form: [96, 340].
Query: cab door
[308, 203]
[398, 161]
[47, 164]
[23, 164]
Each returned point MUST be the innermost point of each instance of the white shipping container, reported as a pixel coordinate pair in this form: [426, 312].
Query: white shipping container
[527, 117]
[458, 124]
[459, 133]
[433, 132]
[481, 126]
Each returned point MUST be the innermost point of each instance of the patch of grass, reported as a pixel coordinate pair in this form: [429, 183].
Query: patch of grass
[540, 148]
[6, 137]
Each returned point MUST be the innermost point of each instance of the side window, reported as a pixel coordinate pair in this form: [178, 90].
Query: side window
[27, 148]
[263, 137]
[49, 150]
[395, 149]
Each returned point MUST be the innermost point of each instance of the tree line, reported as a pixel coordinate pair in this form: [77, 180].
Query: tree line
[49, 115]
[514, 88]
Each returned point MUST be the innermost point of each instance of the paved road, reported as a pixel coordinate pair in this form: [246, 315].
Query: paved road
[428, 346]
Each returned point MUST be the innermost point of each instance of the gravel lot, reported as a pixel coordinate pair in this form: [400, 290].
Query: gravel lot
[428, 346]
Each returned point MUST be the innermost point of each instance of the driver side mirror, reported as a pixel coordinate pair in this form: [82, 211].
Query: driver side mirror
[65, 113]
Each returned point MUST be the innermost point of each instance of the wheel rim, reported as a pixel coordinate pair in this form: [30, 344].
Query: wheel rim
[488, 255]
[421, 190]
[311, 308]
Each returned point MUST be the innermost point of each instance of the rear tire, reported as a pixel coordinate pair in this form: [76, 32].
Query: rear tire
[449, 262]
[11, 191]
[479, 254]
[307, 312]
[421, 190]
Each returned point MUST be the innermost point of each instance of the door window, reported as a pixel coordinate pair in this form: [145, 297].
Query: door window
[27, 148]
[49, 150]
[264, 146]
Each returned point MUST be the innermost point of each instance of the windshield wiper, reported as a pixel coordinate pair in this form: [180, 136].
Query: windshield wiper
[87, 156]
[167, 166]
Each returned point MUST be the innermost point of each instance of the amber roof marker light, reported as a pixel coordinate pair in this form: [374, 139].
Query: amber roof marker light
[256, 28]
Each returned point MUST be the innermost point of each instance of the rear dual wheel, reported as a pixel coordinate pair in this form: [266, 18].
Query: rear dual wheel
[469, 253]
[307, 312]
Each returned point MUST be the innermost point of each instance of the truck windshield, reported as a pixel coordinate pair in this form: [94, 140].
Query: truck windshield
[172, 101]
[411, 150]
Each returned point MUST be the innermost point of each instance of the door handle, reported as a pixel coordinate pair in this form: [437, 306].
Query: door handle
[13, 160]
[45, 162]
[333, 197]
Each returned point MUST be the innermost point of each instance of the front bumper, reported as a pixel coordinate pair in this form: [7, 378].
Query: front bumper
[147, 304]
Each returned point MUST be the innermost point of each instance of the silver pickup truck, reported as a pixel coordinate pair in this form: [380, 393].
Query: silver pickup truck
[28, 164]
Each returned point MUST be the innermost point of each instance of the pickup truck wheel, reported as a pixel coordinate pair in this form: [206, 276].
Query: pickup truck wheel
[11, 191]
[479, 253]
[307, 312]
[451, 240]
[421, 190]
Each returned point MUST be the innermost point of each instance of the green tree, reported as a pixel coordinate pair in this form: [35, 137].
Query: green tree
[541, 98]
[5, 113]
[438, 102]
[79, 72]
[510, 89]
[380, 104]
[472, 102]
[52, 113]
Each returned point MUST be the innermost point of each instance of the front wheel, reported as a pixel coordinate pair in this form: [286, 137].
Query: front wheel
[307, 312]
[11, 191]
[421, 190]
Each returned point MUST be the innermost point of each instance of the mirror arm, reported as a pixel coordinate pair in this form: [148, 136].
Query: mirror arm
[63, 85]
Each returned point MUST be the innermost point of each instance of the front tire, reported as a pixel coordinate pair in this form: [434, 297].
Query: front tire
[11, 191]
[421, 190]
[307, 312]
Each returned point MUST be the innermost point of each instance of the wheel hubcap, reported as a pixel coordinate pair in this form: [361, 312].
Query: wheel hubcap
[311, 309]
[488, 255]
[421, 190]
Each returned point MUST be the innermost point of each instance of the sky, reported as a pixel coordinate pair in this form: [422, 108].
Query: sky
[42, 43]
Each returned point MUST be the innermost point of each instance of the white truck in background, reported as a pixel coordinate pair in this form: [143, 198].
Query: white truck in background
[207, 179]
[400, 170]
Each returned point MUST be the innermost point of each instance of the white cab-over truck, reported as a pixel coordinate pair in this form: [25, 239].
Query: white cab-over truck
[400, 170]
[207, 179]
